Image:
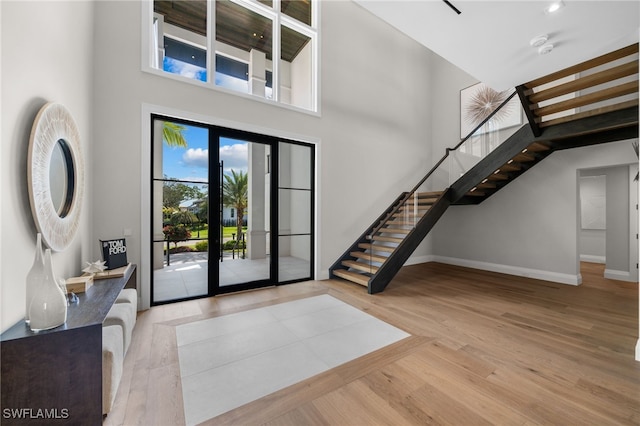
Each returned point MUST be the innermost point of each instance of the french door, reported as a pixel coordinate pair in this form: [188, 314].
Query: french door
[231, 210]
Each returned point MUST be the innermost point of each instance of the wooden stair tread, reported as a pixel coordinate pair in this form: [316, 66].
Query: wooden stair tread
[428, 200]
[396, 222]
[394, 231]
[476, 193]
[433, 194]
[410, 208]
[486, 185]
[376, 247]
[422, 203]
[360, 266]
[498, 177]
[537, 147]
[387, 239]
[513, 167]
[368, 256]
[524, 158]
[407, 214]
[352, 276]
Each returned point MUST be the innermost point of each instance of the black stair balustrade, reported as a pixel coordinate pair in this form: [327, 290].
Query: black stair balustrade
[376, 256]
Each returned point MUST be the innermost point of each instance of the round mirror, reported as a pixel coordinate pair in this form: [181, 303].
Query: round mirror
[56, 176]
[61, 178]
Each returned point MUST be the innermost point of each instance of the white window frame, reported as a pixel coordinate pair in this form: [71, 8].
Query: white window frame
[278, 18]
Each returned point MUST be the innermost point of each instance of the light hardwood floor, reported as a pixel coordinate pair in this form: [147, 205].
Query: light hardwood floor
[485, 348]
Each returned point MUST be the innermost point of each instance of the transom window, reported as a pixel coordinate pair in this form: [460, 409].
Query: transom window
[232, 44]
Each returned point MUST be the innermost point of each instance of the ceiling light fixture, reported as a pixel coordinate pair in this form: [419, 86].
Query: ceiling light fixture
[545, 48]
[554, 7]
[538, 41]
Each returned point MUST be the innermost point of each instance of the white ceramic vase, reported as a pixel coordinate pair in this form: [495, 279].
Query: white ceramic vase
[34, 276]
[48, 308]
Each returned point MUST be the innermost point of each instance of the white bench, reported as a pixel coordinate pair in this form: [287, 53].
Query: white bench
[117, 330]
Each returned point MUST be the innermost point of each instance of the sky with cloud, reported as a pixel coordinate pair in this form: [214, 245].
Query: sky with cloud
[184, 69]
[191, 163]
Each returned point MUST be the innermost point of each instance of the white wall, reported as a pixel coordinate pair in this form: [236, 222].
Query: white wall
[592, 243]
[612, 243]
[373, 131]
[302, 78]
[2, 203]
[617, 266]
[46, 56]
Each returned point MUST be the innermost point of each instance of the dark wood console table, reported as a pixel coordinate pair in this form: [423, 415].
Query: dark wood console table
[55, 376]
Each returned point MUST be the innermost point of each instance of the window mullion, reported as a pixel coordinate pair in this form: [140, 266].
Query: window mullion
[211, 43]
[275, 59]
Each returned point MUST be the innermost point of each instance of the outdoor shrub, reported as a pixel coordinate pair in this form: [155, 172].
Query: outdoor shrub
[181, 249]
[176, 233]
[202, 246]
[229, 245]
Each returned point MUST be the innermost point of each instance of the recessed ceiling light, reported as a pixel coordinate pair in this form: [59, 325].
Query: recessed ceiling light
[554, 7]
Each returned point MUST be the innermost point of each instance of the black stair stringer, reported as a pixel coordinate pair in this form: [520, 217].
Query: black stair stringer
[405, 249]
[503, 153]
[609, 127]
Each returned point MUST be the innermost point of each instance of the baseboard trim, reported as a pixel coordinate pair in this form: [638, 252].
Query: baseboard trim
[512, 270]
[593, 259]
[415, 260]
[613, 274]
[638, 350]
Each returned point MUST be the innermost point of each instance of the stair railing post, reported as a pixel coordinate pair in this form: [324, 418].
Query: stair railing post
[526, 105]
[415, 208]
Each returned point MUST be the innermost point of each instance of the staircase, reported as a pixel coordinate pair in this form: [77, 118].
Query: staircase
[591, 103]
[382, 250]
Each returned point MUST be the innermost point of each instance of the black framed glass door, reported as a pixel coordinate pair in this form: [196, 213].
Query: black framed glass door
[180, 210]
[231, 210]
[245, 211]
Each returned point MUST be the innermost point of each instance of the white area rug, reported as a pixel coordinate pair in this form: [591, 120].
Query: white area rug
[228, 361]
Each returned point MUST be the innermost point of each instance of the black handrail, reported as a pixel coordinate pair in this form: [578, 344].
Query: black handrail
[455, 148]
[433, 169]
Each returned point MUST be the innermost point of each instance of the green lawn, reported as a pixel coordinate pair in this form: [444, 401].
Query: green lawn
[227, 232]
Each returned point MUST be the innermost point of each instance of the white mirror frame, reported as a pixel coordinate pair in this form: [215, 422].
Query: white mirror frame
[54, 122]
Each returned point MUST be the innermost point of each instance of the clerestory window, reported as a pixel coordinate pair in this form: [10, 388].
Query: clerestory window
[232, 44]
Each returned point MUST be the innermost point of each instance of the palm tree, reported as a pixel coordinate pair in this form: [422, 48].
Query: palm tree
[184, 217]
[234, 194]
[172, 134]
